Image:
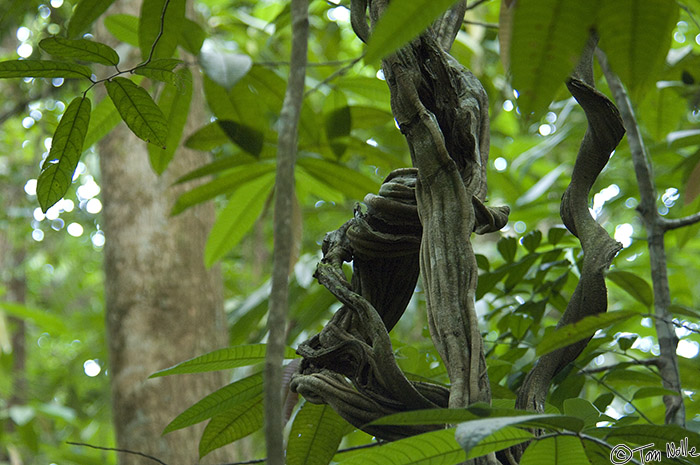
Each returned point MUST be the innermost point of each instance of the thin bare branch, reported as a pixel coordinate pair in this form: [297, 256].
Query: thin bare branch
[669, 224]
[115, 449]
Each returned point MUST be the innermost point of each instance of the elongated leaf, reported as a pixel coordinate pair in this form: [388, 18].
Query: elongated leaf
[66, 147]
[85, 13]
[547, 40]
[338, 121]
[433, 448]
[192, 37]
[175, 103]
[152, 19]
[222, 359]
[42, 68]
[138, 110]
[636, 37]
[316, 433]
[40, 317]
[437, 416]
[80, 49]
[232, 425]
[207, 138]
[644, 434]
[227, 183]
[402, 21]
[557, 450]
[634, 285]
[244, 207]
[161, 69]
[219, 402]
[103, 119]
[575, 332]
[124, 27]
[249, 139]
[217, 166]
[339, 177]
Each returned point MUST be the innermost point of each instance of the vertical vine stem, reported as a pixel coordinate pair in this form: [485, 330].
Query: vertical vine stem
[655, 226]
[284, 194]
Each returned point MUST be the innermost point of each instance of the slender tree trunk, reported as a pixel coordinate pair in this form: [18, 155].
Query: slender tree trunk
[163, 305]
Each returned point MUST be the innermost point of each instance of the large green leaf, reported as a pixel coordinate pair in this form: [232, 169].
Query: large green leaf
[103, 119]
[161, 69]
[222, 359]
[338, 121]
[40, 317]
[315, 435]
[175, 103]
[66, 147]
[433, 448]
[339, 177]
[152, 19]
[249, 139]
[85, 13]
[219, 402]
[547, 40]
[634, 285]
[243, 209]
[636, 35]
[124, 27]
[138, 110]
[42, 68]
[192, 36]
[80, 49]
[239, 422]
[557, 450]
[207, 138]
[582, 329]
[402, 21]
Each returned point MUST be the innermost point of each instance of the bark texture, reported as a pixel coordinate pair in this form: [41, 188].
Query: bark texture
[163, 305]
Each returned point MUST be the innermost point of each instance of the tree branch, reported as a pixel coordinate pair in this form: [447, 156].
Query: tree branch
[283, 245]
[669, 224]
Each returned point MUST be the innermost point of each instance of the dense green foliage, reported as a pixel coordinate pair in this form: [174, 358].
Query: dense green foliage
[347, 143]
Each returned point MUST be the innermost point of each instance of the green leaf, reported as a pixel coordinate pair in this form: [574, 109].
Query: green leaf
[582, 329]
[684, 138]
[249, 139]
[161, 69]
[557, 450]
[315, 435]
[339, 177]
[222, 359]
[507, 246]
[40, 317]
[124, 27]
[532, 240]
[243, 209]
[548, 37]
[224, 67]
[84, 14]
[207, 138]
[152, 19]
[80, 49]
[175, 103]
[652, 391]
[554, 235]
[66, 147]
[103, 119]
[402, 21]
[229, 182]
[219, 402]
[43, 69]
[436, 416]
[634, 285]
[192, 36]
[232, 425]
[636, 37]
[338, 121]
[582, 409]
[138, 110]
[433, 448]
[645, 434]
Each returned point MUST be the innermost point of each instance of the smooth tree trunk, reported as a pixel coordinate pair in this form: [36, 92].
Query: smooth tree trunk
[163, 305]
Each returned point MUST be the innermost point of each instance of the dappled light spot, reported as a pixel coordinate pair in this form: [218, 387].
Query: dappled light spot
[687, 349]
[500, 164]
[38, 235]
[93, 206]
[25, 50]
[91, 368]
[508, 105]
[98, 239]
[30, 187]
[75, 229]
[623, 234]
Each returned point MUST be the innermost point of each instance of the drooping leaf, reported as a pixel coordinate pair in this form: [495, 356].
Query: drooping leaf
[684, 138]
[161, 69]
[152, 19]
[636, 37]
[66, 147]
[645, 434]
[435, 416]
[339, 177]
[548, 37]
[507, 247]
[43, 69]
[249, 139]
[175, 103]
[222, 359]
[207, 138]
[85, 13]
[219, 402]
[138, 110]
[239, 422]
[532, 240]
[315, 435]
[338, 121]
[557, 450]
[582, 329]
[243, 208]
[583, 409]
[103, 119]
[80, 49]
[541, 187]
[402, 21]
[634, 285]
[192, 36]
[652, 391]
[433, 448]
[223, 66]
[124, 27]
[40, 317]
